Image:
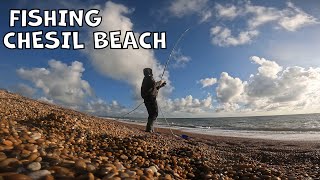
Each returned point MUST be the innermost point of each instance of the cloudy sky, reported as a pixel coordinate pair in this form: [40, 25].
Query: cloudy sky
[238, 58]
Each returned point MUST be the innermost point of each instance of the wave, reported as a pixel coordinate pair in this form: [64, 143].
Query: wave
[229, 127]
[274, 129]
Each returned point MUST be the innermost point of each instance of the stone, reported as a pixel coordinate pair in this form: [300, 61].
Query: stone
[34, 166]
[108, 154]
[144, 178]
[105, 170]
[7, 143]
[134, 158]
[33, 157]
[49, 177]
[39, 159]
[167, 177]
[36, 136]
[131, 173]
[139, 172]
[7, 162]
[124, 175]
[148, 172]
[124, 157]
[81, 164]
[190, 175]
[119, 166]
[110, 175]
[16, 177]
[90, 176]
[25, 153]
[39, 174]
[154, 169]
[91, 168]
[62, 171]
[2, 156]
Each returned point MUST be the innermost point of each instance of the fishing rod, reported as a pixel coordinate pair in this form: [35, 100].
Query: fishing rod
[173, 49]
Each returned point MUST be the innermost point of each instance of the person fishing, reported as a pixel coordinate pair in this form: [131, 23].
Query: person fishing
[149, 92]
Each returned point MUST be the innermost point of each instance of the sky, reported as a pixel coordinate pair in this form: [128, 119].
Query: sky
[239, 58]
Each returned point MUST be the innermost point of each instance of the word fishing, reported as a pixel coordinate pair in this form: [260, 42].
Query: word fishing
[70, 39]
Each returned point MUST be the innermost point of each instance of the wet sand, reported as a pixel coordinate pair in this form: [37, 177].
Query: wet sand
[44, 141]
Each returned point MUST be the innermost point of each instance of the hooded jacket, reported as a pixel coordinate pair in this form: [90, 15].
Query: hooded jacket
[149, 88]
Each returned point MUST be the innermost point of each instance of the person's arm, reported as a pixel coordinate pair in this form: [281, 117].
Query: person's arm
[160, 84]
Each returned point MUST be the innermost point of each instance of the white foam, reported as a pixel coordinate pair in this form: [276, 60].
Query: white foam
[268, 135]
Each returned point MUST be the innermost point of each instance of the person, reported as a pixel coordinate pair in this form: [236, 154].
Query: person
[149, 92]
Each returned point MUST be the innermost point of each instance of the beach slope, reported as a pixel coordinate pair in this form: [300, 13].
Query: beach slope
[44, 141]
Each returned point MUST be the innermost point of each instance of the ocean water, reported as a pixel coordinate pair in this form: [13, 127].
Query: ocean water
[286, 127]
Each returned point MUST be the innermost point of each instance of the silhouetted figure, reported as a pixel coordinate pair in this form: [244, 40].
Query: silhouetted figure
[149, 92]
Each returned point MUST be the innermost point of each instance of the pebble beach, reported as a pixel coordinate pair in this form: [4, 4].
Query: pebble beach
[44, 141]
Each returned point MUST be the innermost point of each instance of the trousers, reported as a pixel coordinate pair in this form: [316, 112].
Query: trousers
[152, 108]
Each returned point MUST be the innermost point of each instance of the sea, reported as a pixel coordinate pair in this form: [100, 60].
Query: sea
[304, 127]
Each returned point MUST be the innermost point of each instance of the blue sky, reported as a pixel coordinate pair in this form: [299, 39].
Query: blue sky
[239, 58]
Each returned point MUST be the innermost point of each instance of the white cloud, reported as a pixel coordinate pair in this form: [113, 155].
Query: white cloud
[272, 88]
[267, 68]
[223, 37]
[259, 15]
[205, 15]
[127, 64]
[179, 59]
[207, 82]
[229, 11]
[24, 90]
[188, 104]
[181, 8]
[290, 18]
[229, 89]
[295, 22]
[100, 107]
[45, 99]
[59, 82]
[62, 84]
[296, 19]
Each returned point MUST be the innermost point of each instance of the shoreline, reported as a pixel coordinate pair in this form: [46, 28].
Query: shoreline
[214, 139]
[198, 133]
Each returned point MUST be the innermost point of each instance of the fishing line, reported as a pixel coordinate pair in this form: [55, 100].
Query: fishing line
[169, 58]
[166, 121]
[130, 111]
[174, 47]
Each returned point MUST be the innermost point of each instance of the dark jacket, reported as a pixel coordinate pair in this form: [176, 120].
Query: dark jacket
[149, 88]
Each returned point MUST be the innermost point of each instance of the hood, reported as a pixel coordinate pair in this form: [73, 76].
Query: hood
[147, 72]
